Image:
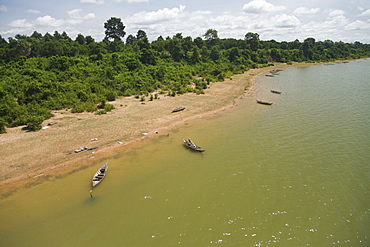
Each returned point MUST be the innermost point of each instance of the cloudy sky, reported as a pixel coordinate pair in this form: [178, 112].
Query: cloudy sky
[281, 20]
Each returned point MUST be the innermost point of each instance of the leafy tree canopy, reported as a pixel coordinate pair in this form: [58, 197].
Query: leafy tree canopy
[114, 29]
[40, 73]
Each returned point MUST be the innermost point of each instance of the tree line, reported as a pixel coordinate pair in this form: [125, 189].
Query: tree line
[40, 73]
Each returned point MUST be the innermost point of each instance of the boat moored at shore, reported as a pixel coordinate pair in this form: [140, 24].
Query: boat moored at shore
[100, 174]
[192, 145]
[264, 102]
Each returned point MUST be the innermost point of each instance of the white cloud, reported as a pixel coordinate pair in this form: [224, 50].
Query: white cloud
[199, 15]
[89, 16]
[93, 1]
[357, 25]
[3, 8]
[261, 6]
[48, 21]
[305, 11]
[261, 16]
[227, 22]
[22, 23]
[33, 11]
[155, 16]
[75, 14]
[365, 13]
[285, 21]
[331, 29]
[337, 22]
[336, 12]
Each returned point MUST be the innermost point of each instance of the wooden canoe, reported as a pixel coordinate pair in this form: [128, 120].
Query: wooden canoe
[264, 102]
[275, 91]
[100, 174]
[181, 108]
[192, 145]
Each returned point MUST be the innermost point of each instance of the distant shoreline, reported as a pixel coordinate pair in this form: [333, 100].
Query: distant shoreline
[30, 158]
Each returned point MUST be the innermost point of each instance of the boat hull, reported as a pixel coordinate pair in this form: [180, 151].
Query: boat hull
[192, 146]
[179, 109]
[275, 91]
[264, 102]
[99, 175]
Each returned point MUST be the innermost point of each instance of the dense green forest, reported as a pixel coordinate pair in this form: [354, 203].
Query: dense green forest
[40, 73]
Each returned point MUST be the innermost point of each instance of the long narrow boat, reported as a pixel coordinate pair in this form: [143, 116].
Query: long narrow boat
[192, 145]
[100, 174]
[181, 108]
[264, 102]
[275, 91]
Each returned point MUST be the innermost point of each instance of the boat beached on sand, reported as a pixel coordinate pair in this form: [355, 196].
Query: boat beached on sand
[100, 174]
[181, 108]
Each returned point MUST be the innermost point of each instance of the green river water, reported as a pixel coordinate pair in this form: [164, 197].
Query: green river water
[296, 173]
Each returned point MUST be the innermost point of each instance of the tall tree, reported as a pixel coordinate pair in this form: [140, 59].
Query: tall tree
[253, 40]
[141, 35]
[57, 35]
[130, 39]
[211, 36]
[114, 29]
[195, 56]
[199, 42]
[215, 53]
[308, 45]
[65, 36]
[24, 47]
[36, 35]
[81, 39]
[89, 40]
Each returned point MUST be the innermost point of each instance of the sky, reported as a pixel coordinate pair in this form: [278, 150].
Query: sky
[280, 20]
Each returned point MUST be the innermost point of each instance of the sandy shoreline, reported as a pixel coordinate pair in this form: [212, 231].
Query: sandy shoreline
[29, 158]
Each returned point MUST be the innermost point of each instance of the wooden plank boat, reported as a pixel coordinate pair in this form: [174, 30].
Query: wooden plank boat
[275, 91]
[181, 108]
[100, 174]
[264, 102]
[192, 146]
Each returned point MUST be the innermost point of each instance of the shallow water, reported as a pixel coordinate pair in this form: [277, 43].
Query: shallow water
[292, 174]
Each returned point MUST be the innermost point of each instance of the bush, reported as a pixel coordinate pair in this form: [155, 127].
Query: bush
[108, 107]
[100, 112]
[111, 96]
[90, 106]
[34, 123]
[78, 108]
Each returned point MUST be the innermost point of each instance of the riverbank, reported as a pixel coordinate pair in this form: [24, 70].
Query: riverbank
[29, 158]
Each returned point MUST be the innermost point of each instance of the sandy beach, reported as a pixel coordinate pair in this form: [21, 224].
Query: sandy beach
[29, 158]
